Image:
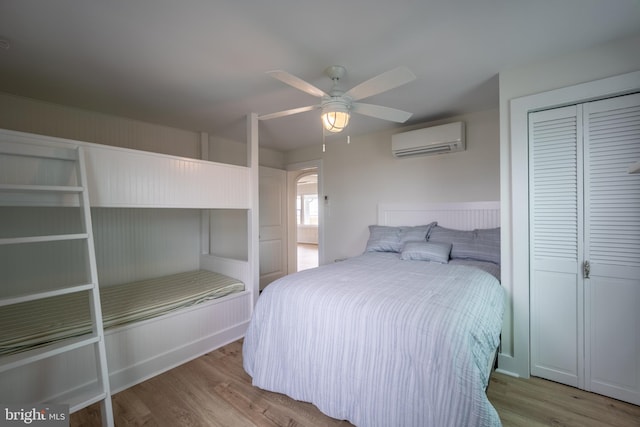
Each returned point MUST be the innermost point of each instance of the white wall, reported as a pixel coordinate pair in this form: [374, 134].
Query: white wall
[45, 118]
[29, 115]
[235, 153]
[615, 58]
[360, 175]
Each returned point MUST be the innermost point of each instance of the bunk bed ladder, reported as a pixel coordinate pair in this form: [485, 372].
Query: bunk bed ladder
[39, 188]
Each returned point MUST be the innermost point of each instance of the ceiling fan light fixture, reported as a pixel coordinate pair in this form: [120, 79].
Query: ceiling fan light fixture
[335, 117]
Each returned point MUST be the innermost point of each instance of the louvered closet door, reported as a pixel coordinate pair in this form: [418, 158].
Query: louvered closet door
[612, 247]
[556, 245]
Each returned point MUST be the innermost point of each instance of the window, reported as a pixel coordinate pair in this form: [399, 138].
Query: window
[307, 209]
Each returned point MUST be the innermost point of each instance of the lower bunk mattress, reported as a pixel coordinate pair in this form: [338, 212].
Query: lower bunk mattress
[38, 323]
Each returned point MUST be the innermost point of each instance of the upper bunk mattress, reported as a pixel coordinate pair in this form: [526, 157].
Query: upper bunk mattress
[37, 323]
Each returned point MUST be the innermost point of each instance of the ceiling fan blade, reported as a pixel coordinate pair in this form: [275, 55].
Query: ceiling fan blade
[296, 82]
[287, 112]
[380, 112]
[381, 83]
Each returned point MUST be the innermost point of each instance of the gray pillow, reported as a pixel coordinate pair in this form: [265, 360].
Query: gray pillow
[384, 238]
[426, 251]
[479, 244]
[415, 233]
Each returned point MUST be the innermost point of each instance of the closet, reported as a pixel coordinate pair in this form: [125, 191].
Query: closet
[585, 246]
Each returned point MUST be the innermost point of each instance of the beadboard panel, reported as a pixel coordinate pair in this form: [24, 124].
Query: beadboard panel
[130, 244]
[459, 216]
[130, 178]
[16, 221]
[228, 233]
[29, 115]
[31, 267]
[39, 267]
[120, 177]
[138, 244]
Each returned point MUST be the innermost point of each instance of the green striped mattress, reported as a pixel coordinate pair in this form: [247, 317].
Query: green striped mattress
[37, 323]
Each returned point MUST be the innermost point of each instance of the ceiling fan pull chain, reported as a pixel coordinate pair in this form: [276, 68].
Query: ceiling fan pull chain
[324, 148]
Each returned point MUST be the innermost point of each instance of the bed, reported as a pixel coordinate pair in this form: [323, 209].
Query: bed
[127, 188]
[395, 336]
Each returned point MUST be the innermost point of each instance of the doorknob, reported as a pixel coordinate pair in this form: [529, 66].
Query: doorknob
[586, 269]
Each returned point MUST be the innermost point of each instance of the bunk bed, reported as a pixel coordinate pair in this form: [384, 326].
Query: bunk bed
[161, 334]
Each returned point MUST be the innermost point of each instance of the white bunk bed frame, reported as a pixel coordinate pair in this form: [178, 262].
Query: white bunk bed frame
[126, 178]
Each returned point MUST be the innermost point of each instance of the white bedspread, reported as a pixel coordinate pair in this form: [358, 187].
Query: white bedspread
[380, 342]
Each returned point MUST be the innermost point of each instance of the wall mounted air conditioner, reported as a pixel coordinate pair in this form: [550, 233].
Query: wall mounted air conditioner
[428, 141]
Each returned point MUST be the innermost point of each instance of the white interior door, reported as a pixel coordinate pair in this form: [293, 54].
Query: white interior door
[555, 200]
[273, 225]
[612, 247]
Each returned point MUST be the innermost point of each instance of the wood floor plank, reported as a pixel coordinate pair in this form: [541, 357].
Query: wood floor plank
[534, 401]
[214, 390]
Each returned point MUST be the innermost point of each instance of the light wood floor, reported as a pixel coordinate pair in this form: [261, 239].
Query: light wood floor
[307, 256]
[214, 390]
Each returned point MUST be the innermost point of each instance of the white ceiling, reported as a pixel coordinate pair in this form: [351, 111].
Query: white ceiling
[200, 64]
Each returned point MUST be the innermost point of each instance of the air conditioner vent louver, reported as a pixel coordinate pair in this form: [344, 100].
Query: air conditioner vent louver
[429, 141]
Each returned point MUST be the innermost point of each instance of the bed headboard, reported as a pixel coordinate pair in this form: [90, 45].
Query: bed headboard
[459, 216]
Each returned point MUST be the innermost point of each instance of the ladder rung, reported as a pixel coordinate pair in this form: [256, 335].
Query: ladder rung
[39, 239]
[82, 397]
[39, 150]
[28, 188]
[42, 295]
[26, 357]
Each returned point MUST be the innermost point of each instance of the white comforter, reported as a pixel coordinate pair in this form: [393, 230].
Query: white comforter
[380, 342]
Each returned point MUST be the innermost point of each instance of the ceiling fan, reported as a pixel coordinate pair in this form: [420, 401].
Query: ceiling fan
[337, 105]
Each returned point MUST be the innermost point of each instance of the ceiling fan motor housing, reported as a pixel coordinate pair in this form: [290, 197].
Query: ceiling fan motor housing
[335, 104]
[335, 72]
